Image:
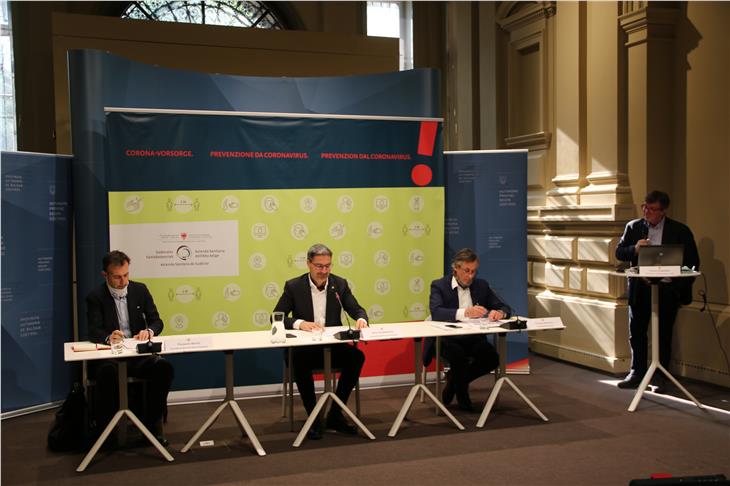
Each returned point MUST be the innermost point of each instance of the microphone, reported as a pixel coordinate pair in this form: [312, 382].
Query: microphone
[149, 346]
[350, 334]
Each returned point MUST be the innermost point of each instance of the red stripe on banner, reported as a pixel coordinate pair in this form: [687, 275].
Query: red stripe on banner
[386, 358]
[427, 138]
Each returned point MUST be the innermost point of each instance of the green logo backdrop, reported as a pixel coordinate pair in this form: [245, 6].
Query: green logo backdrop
[216, 261]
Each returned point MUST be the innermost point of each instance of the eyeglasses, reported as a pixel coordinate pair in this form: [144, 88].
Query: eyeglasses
[320, 266]
[652, 209]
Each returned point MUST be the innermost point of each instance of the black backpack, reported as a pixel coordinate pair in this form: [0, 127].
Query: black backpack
[70, 429]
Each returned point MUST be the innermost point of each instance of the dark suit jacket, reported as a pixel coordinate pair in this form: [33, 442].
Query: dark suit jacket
[297, 300]
[674, 233]
[444, 302]
[101, 312]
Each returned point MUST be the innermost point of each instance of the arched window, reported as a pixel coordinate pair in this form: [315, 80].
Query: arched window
[212, 12]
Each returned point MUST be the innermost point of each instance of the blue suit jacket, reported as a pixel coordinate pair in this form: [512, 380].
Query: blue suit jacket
[444, 302]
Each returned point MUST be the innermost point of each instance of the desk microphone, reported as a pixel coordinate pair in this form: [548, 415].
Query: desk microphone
[350, 334]
[149, 346]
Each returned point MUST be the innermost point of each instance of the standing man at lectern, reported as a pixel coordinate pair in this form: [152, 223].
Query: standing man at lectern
[654, 229]
[315, 300]
[458, 297]
[120, 307]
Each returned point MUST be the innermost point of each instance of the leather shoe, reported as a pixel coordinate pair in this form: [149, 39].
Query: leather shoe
[315, 431]
[447, 396]
[157, 430]
[337, 422]
[660, 384]
[632, 380]
[464, 402]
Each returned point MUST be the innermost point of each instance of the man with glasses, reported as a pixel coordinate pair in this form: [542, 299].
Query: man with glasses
[460, 297]
[654, 229]
[315, 300]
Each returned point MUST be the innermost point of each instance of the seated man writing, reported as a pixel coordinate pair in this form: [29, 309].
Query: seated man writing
[457, 297]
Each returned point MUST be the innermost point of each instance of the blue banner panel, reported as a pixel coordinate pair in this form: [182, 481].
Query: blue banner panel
[486, 209]
[98, 79]
[36, 278]
[154, 152]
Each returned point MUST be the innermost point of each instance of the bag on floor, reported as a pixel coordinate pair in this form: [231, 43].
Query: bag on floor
[70, 431]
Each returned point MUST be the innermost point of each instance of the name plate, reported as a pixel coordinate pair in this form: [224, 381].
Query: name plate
[383, 332]
[660, 271]
[545, 323]
[188, 343]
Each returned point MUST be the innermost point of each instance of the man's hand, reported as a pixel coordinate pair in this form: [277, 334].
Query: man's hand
[308, 326]
[143, 335]
[361, 323]
[496, 315]
[475, 312]
[115, 335]
[641, 243]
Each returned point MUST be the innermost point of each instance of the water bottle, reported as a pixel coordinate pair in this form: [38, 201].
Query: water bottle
[278, 332]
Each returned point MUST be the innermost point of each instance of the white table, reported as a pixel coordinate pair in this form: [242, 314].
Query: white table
[655, 364]
[234, 341]
[419, 330]
[72, 356]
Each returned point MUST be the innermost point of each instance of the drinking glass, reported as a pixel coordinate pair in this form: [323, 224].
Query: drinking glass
[117, 344]
[317, 333]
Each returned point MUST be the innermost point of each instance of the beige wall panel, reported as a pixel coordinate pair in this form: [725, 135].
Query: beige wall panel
[567, 92]
[555, 276]
[596, 249]
[536, 161]
[596, 332]
[598, 281]
[536, 246]
[538, 273]
[602, 90]
[705, 156]
[575, 278]
[525, 80]
[696, 351]
[559, 248]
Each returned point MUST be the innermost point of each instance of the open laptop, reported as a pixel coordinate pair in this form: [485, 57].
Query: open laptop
[658, 260]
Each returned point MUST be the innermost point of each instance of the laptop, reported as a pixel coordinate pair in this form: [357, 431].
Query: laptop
[660, 260]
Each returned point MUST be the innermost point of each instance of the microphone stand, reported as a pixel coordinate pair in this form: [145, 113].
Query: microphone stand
[149, 346]
[351, 334]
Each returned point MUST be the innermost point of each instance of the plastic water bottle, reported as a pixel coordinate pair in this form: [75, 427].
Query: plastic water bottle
[278, 331]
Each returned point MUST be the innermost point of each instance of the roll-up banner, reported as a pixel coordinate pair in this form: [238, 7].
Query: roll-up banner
[486, 209]
[36, 279]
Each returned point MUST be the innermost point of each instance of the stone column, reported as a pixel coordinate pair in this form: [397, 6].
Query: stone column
[650, 52]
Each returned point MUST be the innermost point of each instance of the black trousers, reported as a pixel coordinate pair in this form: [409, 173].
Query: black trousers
[347, 358]
[157, 370]
[469, 357]
[640, 320]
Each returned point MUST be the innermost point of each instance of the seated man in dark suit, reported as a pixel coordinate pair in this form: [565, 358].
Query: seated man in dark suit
[316, 299]
[457, 297]
[120, 307]
[654, 228]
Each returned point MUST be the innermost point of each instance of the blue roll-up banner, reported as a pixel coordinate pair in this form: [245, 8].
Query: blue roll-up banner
[36, 278]
[486, 209]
